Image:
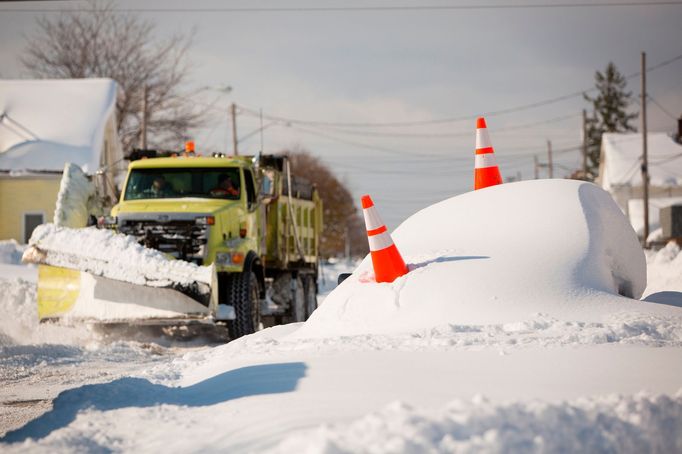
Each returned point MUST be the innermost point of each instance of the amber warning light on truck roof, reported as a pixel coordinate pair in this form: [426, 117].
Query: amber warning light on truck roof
[189, 146]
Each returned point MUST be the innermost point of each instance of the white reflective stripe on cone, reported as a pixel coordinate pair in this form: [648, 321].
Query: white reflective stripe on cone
[485, 160]
[483, 139]
[380, 241]
[372, 219]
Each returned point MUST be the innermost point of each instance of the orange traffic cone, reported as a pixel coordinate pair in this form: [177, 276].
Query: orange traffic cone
[486, 172]
[388, 264]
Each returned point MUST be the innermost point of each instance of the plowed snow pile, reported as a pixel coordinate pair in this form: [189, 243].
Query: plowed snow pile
[116, 256]
[10, 252]
[518, 329]
[557, 249]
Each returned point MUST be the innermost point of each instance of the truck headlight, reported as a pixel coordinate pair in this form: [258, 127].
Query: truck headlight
[205, 220]
[107, 222]
[229, 258]
[223, 258]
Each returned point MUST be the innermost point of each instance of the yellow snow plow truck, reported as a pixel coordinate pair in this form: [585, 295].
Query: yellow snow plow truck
[183, 226]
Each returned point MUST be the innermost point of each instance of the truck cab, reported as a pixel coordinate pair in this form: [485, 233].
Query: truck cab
[177, 205]
[246, 216]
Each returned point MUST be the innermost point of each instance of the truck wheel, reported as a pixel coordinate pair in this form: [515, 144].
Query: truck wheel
[298, 303]
[310, 296]
[244, 298]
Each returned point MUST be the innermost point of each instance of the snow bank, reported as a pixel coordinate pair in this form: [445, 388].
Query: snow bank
[10, 252]
[537, 331]
[665, 275]
[329, 273]
[75, 193]
[115, 256]
[505, 254]
[20, 313]
[19, 325]
[640, 423]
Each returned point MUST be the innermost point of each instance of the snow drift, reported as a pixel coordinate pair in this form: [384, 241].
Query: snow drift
[75, 193]
[18, 305]
[10, 252]
[639, 423]
[560, 248]
[112, 255]
[120, 279]
[513, 294]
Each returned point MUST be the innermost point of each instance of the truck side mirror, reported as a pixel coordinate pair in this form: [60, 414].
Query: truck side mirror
[267, 188]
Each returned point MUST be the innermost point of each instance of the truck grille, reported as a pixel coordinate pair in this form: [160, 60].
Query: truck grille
[185, 240]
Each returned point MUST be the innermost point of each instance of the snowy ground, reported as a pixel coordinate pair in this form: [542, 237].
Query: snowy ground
[38, 361]
[590, 372]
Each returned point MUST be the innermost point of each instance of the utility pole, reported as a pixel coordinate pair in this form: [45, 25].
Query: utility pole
[261, 132]
[346, 235]
[536, 170]
[550, 167]
[233, 112]
[645, 156]
[584, 144]
[143, 119]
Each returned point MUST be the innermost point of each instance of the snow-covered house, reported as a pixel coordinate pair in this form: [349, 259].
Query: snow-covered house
[620, 174]
[43, 125]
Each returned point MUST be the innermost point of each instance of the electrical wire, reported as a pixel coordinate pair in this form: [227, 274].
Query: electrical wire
[663, 109]
[493, 113]
[433, 135]
[360, 144]
[665, 160]
[375, 8]
[425, 122]
[289, 121]
[379, 148]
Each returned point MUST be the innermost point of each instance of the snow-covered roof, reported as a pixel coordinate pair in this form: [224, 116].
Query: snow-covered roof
[621, 153]
[45, 123]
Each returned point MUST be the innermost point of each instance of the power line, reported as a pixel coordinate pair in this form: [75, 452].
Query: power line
[667, 159]
[310, 123]
[431, 135]
[663, 109]
[358, 144]
[408, 153]
[377, 8]
[459, 118]
[428, 122]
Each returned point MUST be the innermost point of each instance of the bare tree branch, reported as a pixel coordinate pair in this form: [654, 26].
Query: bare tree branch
[101, 42]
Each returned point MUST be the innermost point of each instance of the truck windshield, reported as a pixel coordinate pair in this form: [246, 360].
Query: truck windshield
[213, 183]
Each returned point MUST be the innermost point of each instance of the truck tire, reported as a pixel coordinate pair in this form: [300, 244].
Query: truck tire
[310, 287]
[298, 313]
[243, 294]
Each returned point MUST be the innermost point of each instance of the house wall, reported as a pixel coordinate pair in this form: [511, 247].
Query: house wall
[623, 194]
[25, 194]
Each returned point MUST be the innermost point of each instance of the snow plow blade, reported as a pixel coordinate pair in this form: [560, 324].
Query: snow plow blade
[98, 284]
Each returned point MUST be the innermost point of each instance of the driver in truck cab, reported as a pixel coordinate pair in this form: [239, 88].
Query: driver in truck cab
[160, 188]
[226, 187]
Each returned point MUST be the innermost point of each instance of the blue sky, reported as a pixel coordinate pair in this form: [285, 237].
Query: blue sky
[407, 66]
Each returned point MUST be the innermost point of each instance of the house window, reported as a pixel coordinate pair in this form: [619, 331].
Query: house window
[31, 221]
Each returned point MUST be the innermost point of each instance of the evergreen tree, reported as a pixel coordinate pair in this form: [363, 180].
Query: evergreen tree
[609, 113]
